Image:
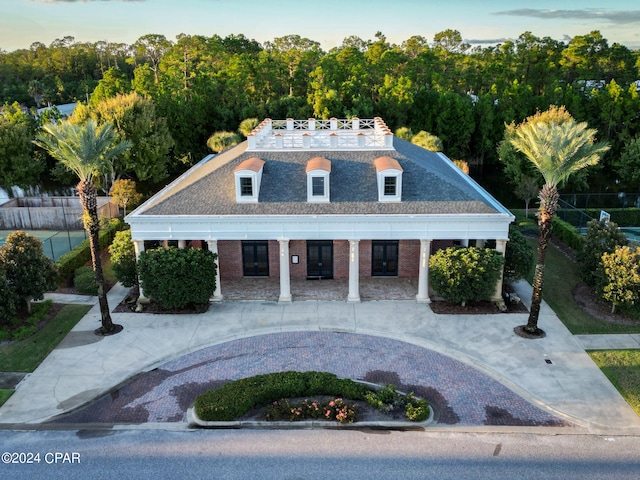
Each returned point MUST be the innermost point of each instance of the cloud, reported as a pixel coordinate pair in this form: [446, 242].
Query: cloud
[612, 16]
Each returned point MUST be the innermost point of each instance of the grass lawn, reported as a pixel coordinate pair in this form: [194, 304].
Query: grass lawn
[4, 395]
[560, 278]
[622, 368]
[26, 355]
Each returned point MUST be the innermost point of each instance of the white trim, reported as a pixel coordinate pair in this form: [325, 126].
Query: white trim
[311, 174]
[321, 227]
[488, 197]
[389, 173]
[255, 178]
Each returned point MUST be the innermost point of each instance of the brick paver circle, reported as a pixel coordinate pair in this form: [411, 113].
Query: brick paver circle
[461, 394]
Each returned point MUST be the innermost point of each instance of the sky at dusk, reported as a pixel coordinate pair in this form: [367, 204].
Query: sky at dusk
[23, 22]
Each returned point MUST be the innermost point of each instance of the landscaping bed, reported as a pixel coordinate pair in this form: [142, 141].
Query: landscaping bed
[305, 396]
[129, 305]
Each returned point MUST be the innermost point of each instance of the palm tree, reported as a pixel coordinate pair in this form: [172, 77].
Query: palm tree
[247, 125]
[220, 141]
[558, 146]
[87, 151]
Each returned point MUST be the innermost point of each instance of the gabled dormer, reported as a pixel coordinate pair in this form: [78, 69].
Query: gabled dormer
[318, 173]
[248, 176]
[389, 176]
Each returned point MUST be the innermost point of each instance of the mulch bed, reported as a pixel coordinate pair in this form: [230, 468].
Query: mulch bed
[474, 308]
[589, 301]
[477, 308]
[366, 413]
[129, 305]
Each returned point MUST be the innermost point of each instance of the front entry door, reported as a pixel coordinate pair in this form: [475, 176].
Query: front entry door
[255, 259]
[384, 258]
[319, 259]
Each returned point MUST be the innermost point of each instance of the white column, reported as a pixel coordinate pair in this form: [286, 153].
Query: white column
[479, 243]
[285, 280]
[138, 247]
[423, 276]
[501, 247]
[182, 244]
[354, 271]
[464, 242]
[217, 293]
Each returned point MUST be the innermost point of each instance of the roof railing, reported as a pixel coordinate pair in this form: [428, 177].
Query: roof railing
[290, 134]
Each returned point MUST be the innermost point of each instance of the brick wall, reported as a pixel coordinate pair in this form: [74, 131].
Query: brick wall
[365, 258]
[274, 258]
[340, 259]
[408, 258]
[298, 247]
[230, 258]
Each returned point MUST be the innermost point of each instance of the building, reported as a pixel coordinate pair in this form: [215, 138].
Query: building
[309, 199]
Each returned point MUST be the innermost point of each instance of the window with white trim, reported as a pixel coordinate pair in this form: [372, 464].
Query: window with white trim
[246, 187]
[389, 177]
[317, 186]
[390, 186]
[318, 177]
[247, 177]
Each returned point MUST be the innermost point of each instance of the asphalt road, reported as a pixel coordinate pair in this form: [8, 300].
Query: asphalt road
[314, 454]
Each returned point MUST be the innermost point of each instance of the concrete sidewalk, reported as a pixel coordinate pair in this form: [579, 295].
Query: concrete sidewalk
[553, 373]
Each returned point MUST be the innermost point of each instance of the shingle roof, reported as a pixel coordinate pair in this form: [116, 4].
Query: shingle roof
[431, 185]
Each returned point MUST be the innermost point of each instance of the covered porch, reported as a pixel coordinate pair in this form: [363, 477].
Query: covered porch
[371, 288]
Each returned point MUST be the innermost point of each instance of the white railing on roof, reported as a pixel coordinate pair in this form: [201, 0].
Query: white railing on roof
[315, 134]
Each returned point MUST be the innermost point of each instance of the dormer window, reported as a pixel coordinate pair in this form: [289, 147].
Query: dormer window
[246, 187]
[390, 186]
[318, 172]
[389, 176]
[317, 187]
[248, 176]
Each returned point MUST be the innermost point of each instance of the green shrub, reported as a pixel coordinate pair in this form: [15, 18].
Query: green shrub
[69, 262]
[621, 284]
[387, 394]
[526, 225]
[416, 409]
[29, 272]
[234, 399]
[387, 399]
[8, 298]
[518, 257]
[84, 281]
[123, 258]
[465, 274]
[601, 238]
[178, 277]
[624, 217]
[567, 233]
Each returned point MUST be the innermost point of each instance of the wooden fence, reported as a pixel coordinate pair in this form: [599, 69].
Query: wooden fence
[49, 213]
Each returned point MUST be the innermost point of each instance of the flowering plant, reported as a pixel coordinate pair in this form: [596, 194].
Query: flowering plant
[336, 409]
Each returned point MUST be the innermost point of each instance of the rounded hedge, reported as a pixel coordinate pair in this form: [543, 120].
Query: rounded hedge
[178, 277]
[465, 274]
[84, 281]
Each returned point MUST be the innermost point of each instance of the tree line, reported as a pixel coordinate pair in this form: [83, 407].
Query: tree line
[197, 85]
